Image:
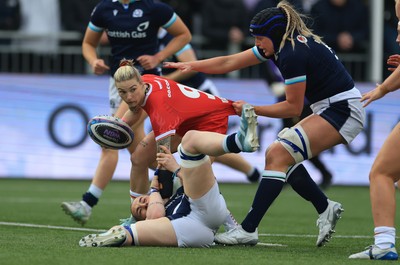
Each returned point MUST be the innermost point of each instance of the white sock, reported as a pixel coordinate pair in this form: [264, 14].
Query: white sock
[134, 195]
[96, 191]
[385, 236]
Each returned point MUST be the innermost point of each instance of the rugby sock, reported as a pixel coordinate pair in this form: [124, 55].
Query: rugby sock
[385, 236]
[230, 145]
[134, 195]
[91, 197]
[253, 175]
[96, 191]
[304, 185]
[128, 228]
[270, 186]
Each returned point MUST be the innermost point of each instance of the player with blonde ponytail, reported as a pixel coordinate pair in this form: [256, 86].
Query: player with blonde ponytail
[310, 70]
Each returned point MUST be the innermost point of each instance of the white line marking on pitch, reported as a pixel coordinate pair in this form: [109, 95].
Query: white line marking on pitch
[292, 235]
[52, 227]
[270, 244]
[102, 230]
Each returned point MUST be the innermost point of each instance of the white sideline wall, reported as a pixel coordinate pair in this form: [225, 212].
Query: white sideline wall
[43, 129]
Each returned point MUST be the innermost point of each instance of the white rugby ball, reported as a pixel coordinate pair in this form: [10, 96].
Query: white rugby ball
[110, 132]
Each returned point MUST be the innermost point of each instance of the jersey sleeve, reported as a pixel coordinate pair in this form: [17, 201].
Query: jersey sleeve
[259, 54]
[166, 15]
[96, 22]
[293, 64]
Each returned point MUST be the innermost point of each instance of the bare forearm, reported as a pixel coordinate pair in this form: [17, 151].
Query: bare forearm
[179, 76]
[278, 110]
[89, 53]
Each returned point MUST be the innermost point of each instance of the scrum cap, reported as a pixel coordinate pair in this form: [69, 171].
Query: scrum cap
[270, 22]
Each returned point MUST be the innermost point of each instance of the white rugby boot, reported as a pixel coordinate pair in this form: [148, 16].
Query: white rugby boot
[114, 237]
[327, 222]
[247, 134]
[374, 252]
[237, 236]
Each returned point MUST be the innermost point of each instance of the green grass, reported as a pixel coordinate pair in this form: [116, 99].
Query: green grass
[290, 224]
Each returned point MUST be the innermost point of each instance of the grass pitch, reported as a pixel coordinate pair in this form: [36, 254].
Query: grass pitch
[34, 229]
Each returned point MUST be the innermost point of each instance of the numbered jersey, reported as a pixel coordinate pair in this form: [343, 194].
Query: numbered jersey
[175, 109]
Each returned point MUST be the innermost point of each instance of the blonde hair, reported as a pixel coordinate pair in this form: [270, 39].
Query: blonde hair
[295, 23]
[127, 71]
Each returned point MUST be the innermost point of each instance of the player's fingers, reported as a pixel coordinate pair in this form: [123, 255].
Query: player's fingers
[165, 149]
[170, 65]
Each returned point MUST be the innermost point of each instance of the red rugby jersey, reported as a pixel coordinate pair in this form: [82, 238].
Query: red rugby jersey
[174, 108]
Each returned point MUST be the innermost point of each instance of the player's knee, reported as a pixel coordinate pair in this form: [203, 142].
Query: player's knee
[188, 140]
[296, 142]
[137, 159]
[277, 156]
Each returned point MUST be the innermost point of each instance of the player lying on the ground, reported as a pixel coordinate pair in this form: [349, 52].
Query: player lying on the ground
[189, 218]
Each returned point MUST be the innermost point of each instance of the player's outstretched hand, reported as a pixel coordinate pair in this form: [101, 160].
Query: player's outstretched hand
[167, 160]
[184, 67]
[373, 95]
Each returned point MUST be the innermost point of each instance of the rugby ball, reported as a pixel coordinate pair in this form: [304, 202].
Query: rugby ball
[110, 132]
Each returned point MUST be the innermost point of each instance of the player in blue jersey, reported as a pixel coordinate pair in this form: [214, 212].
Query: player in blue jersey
[202, 82]
[191, 217]
[312, 70]
[131, 27]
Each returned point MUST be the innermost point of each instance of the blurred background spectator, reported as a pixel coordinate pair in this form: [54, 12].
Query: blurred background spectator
[75, 16]
[343, 24]
[10, 17]
[224, 22]
[187, 10]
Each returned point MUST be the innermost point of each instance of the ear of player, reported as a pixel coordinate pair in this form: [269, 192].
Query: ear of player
[110, 132]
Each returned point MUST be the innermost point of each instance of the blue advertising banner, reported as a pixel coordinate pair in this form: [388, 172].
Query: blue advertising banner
[43, 129]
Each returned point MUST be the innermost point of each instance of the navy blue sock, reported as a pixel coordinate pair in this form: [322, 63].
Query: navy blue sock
[267, 191]
[231, 144]
[304, 185]
[90, 199]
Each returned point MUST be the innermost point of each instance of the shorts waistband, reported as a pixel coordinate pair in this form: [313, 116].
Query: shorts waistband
[353, 93]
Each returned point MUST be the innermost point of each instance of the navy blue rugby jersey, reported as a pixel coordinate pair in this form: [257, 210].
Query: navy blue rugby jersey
[132, 28]
[178, 206]
[194, 81]
[312, 62]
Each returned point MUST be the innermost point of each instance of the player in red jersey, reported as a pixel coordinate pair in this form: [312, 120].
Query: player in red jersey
[173, 109]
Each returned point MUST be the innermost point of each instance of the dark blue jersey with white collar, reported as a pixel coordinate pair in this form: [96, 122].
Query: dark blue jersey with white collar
[131, 28]
[312, 62]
